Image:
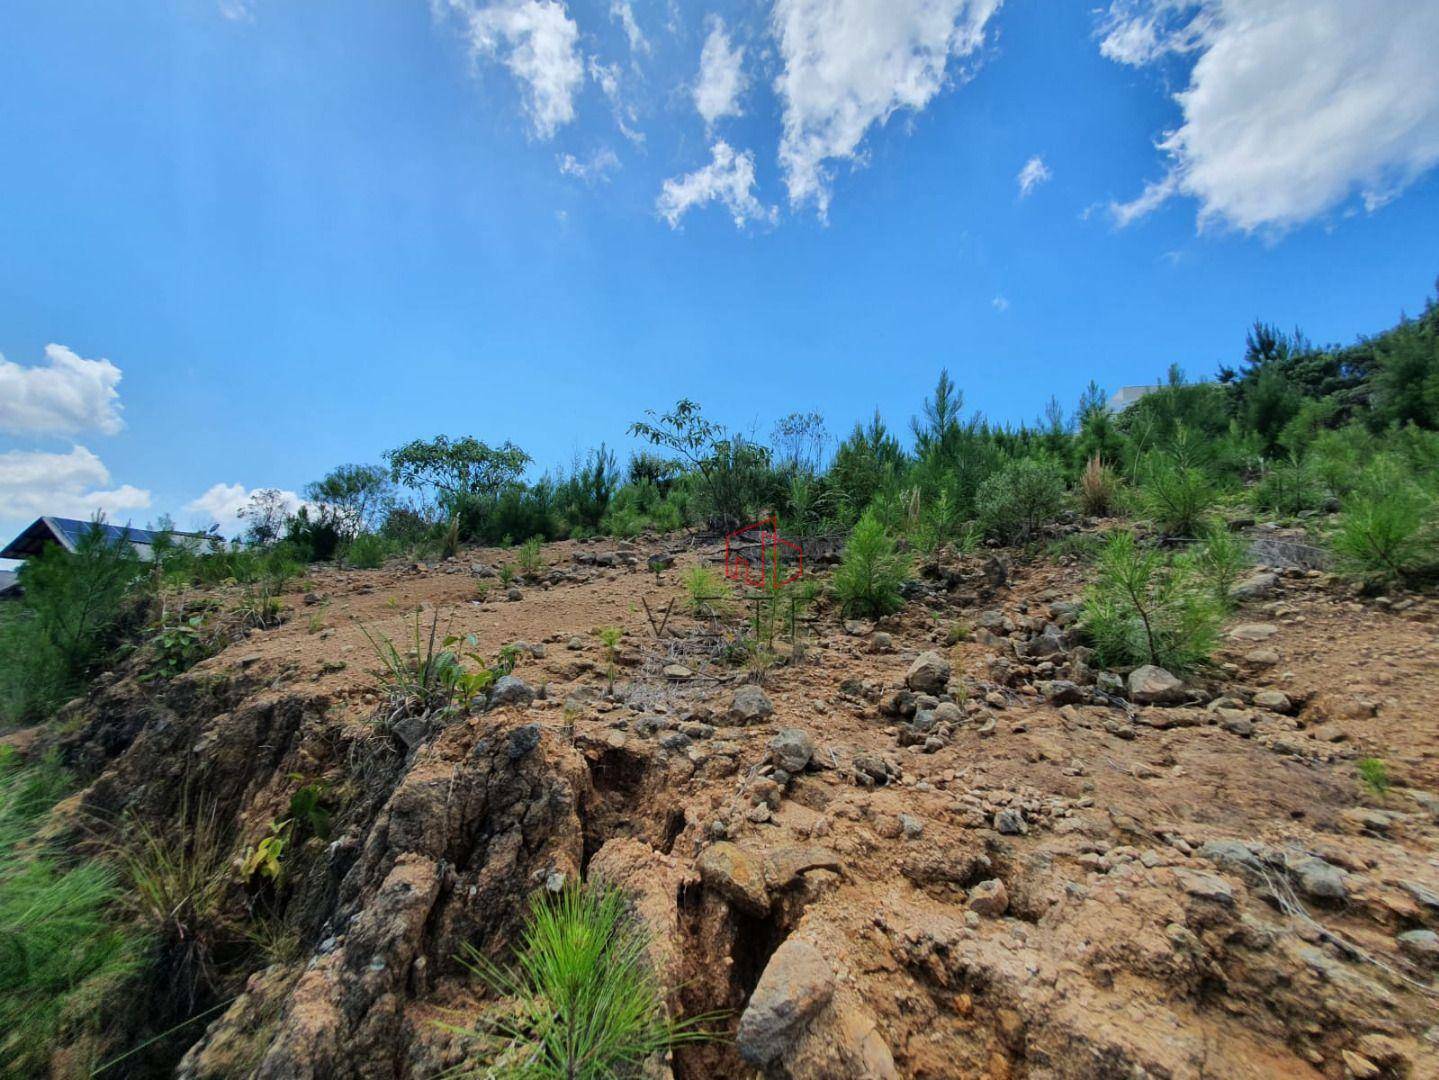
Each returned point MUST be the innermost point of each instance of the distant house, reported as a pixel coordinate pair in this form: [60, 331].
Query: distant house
[1126, 396]
[9, 585]
[67, 532]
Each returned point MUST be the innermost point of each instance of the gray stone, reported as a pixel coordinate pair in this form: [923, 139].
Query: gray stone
[750, 706]
[1253, 632]
[523, 740]
[1319, 880]
[1273, 700]
[1010, 822]
[881, 642]
[911, 826]
[1421, 946]
[511, 690]
[1234, 856]
[797, 983]
[1109, 682]
[1060, 691]
[1205, 886]
[736, 875]
[791, 749]
[1151, 685]
[947, 712]
[1256, 586]
[929, 673]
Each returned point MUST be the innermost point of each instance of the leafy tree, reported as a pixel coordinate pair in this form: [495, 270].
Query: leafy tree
[265, 514]
[799, 442]
[457, 467]
[734, 473]
[358, 496]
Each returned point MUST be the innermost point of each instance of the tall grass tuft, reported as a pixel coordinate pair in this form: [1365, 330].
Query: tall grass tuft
[61, 951]
[581, 1001]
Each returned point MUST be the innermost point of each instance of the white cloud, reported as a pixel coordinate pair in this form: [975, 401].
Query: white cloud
[626, 117]
[222, 503]
[538, 42]
[727, 179]
[1034, 173]
[594, 169]
[68, 395]
[236, 10]
[721, 79]
[849, 64]
[34, 483]
[1292, 106]
[1000, 304]
[622, 11]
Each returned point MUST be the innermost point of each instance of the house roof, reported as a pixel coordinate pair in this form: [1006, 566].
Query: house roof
[9, 582]
[67, 533]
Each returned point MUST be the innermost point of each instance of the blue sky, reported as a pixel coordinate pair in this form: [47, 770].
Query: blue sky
[300, 234]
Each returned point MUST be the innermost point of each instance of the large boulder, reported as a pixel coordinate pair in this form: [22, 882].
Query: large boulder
[929, 674]
[797, 983]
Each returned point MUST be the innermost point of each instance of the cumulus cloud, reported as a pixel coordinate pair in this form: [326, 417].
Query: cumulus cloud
[222, 504]
[1034, 173]
[728, 179]
[75, 484]
[593, 169]
[65, 396]
[621, 11]
[1000, 304]
[721, 79]
[1292, 106]
[538, 42]
[626, 116]
[236, 10]
[850, 64]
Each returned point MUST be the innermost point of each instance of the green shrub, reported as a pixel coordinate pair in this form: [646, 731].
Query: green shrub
[61, 950]
[1017, 501]
[1144, 610]
[1289, 487]
[1385, 536]
[1177, 498]
[368, 551]
[581, 1001]
[868, 578]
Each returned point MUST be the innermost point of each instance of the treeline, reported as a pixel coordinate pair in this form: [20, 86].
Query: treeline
[1292, 428]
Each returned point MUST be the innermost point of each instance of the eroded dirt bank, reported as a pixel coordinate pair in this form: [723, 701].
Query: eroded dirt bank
[992, 861]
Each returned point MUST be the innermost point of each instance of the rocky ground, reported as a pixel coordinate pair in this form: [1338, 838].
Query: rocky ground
[943, 845]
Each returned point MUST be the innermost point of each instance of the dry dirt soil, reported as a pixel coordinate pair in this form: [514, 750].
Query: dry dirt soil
[985, 862]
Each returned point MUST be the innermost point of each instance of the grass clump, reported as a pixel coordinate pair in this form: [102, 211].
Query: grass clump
[868, 578]
[431, 677]
[531, 561]
[705, 591]
[368, 551]
[1098, 488]
[61, 949]
[580, 1002]
[1375, 775]
[1143, 609]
